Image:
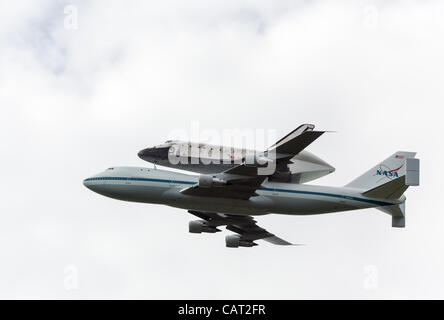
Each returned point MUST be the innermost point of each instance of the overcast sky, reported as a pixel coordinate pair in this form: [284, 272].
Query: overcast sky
[85, 85]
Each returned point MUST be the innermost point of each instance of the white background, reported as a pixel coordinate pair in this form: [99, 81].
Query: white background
[78, 98]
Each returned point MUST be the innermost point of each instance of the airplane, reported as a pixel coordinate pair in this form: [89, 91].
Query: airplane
[207, 158]
[233, 198]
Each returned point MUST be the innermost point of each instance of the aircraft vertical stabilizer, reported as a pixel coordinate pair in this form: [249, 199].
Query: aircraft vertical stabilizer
[388, 170]
[389, 180]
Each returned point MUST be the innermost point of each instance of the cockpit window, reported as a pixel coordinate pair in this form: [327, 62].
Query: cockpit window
[110, 169]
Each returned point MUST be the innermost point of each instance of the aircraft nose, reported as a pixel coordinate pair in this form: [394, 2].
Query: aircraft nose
[88, 183]
[97, 183]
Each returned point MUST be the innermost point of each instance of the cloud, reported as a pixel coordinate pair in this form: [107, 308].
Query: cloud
[77, 101]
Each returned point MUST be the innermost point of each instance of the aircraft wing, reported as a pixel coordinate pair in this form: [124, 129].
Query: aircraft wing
[245, 226]
[229, 191]
[235, 188]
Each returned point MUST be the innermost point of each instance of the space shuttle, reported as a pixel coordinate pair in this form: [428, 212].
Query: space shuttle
[294, 165]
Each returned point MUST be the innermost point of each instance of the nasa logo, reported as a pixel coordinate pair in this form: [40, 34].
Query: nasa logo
[388, 173]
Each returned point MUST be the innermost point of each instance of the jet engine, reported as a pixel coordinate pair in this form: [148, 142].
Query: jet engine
[199, 226]
[235, 241]
[208, 181]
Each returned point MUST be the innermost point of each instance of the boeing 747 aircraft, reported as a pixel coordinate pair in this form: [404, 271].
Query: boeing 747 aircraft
[231, 198]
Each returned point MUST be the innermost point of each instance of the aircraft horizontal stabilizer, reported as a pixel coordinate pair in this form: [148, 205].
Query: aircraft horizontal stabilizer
[390, 190]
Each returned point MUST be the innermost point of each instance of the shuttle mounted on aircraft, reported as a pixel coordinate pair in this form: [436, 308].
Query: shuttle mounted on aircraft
[233, 193]
[210, 159]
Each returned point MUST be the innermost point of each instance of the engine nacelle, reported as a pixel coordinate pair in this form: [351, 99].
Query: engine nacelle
[199, 226]
[256, 160]
[235, 241]
[207, 181]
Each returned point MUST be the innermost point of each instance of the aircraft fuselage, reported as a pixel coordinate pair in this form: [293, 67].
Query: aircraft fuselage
[163, 187]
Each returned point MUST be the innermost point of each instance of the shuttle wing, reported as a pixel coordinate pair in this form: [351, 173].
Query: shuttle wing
[245, 226]
[242, 181]
[296, 141]
[282, 151]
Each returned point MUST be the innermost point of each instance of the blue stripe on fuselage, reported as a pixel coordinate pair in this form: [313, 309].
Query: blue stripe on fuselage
[324, 194]
[380, 203]
[138, 179]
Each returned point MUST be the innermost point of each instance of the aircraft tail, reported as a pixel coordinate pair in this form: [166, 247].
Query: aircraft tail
[389, 180]
[398, 165]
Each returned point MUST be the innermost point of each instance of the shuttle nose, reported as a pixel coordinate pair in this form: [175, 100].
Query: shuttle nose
[154, 153]
[143, 153]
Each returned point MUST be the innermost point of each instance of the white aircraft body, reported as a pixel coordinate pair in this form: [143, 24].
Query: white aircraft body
[233, 197]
